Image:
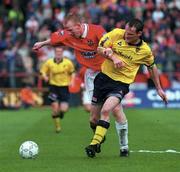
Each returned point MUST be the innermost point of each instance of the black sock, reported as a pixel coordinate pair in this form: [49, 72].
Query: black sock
[93, 126]
[61, 115]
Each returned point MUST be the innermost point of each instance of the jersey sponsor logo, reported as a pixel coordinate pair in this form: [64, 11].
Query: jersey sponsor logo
[88, 54]
[124, 55]
[90, 42]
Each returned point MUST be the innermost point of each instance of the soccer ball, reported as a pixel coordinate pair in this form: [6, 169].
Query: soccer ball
[28, 150]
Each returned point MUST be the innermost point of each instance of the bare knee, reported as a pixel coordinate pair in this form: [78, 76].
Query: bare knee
[117, 109]
[64, 107]
[87, 107]
[105, 112]
[119, 114]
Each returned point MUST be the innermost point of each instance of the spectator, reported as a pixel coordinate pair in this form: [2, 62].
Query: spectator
[29, 21]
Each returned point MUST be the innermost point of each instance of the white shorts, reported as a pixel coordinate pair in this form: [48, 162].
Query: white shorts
[85, 97]
[89, 82]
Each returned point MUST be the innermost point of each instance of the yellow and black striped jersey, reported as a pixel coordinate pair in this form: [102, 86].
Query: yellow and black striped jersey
[132, 55]
[59, 73]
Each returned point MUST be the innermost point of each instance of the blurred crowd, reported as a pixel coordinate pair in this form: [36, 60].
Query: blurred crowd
[22, 23]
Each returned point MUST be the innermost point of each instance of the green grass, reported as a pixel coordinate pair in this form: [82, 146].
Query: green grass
[149, 129]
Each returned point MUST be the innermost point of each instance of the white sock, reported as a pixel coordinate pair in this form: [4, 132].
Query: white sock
[122, 131]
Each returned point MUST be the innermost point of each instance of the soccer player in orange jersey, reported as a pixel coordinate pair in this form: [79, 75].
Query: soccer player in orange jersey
[84, 39]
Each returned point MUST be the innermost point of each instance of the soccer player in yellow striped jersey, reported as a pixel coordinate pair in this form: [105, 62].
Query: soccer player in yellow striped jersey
[58, 72]
[124, 51]
[131, 56]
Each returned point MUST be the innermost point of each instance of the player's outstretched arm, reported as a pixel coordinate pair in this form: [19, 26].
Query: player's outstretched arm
[38, 45]
[155, 77]
[108, 53]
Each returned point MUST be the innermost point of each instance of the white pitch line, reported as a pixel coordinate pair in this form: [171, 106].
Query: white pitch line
[150, 151]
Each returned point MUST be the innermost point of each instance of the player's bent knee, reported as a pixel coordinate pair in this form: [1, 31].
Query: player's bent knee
[105, 112]
[64, 107]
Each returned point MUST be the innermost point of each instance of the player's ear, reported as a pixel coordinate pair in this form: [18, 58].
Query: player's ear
[139, 33]
[64, 24]
[127, 26]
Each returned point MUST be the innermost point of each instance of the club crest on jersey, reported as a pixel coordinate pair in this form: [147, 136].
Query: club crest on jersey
[90, 42]
[61, 32]
[119, 43]
[137, 49]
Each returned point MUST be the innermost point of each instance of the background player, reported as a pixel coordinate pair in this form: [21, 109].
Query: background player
[58, 72]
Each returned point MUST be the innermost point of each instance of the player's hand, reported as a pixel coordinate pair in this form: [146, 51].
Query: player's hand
[117, 62]
[37, 46]
[162, 94]
[108, 52]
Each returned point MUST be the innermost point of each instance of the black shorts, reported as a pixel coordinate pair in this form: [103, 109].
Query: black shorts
[58, 93]
[105, 87]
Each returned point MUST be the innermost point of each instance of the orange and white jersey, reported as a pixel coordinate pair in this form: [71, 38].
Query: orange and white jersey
[85, 48]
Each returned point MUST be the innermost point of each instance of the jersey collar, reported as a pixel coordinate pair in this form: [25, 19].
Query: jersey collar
[85, 30]
[56, 61]
[138, 44]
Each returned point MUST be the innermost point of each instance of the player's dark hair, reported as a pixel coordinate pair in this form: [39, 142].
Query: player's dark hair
[138, 24]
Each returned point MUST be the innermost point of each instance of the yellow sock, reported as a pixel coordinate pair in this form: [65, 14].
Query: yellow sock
[57, 124]
[99, 135]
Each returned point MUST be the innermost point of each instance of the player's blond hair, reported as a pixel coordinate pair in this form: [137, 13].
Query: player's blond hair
[72, 17]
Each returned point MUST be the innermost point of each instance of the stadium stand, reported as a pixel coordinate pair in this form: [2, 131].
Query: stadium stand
[22, 23]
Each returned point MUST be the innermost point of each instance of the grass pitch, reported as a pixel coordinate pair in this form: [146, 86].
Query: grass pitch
[149, 129]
